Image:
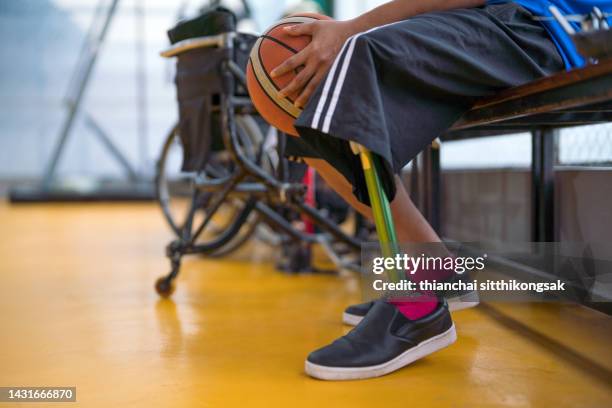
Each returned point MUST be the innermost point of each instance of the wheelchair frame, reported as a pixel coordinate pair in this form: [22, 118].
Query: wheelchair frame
[264, 194]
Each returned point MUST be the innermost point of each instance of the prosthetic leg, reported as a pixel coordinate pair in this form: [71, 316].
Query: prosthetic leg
[381, 211]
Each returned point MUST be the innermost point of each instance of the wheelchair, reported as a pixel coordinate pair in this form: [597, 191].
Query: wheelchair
[222, 175]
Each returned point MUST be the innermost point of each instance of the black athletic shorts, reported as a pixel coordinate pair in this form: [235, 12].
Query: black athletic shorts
[395, 88]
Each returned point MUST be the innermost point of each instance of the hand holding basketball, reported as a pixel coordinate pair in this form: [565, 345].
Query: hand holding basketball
[273, 48]
[328, 36]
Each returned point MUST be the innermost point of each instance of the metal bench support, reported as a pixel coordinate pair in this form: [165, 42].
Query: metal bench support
[543, 182]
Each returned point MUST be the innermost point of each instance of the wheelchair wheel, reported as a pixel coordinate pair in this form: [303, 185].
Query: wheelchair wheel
[184, 207]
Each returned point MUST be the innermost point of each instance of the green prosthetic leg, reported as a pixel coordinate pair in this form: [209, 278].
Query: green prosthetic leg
[381, 211]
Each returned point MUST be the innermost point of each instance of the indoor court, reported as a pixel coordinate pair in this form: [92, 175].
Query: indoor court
[78, 308]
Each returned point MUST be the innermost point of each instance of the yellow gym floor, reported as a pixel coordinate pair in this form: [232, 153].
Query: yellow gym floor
[77, 308]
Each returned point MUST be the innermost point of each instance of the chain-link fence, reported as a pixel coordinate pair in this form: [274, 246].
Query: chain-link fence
[585, 145]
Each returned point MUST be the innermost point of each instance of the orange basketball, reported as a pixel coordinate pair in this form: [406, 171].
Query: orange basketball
[272, 49]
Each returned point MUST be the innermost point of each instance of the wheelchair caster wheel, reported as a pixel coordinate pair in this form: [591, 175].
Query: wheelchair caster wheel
[164, 287]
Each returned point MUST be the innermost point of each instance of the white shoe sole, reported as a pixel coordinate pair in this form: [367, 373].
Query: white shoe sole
[351, 319]
[455, 304]
[419, 351]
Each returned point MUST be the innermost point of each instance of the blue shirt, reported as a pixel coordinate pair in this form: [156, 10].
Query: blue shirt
[567, 7]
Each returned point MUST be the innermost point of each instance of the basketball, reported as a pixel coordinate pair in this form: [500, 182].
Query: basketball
[272, 49]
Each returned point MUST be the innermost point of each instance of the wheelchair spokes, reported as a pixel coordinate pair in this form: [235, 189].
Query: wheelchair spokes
[187, 205]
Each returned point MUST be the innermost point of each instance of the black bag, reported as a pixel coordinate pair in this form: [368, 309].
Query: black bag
[198, 84]
[215, 21]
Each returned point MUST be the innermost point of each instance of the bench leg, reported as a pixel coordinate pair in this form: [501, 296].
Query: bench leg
[543, 185]
[433, 178]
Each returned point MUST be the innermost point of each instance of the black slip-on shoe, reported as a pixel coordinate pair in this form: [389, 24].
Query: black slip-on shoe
[383, 342]
[456, 301]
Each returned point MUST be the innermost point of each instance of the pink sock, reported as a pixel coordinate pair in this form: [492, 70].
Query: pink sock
[425, 303]
[416, 307]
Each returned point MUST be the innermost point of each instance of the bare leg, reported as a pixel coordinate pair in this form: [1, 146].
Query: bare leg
[410, 224]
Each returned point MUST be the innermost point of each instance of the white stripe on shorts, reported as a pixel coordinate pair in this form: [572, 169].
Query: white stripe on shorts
[340, 82]
[335, 94]
[328, 83]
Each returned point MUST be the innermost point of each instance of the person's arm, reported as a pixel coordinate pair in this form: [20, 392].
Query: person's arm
[328, 36]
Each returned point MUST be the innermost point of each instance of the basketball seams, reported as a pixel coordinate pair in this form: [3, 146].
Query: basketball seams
[266, 94]
[270, 79]
[282, 44]
[291, 108]
[267, 84]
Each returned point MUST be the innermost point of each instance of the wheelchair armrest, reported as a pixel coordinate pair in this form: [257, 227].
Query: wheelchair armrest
[219, 40]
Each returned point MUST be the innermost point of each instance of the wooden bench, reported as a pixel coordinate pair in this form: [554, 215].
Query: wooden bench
[578, 97]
